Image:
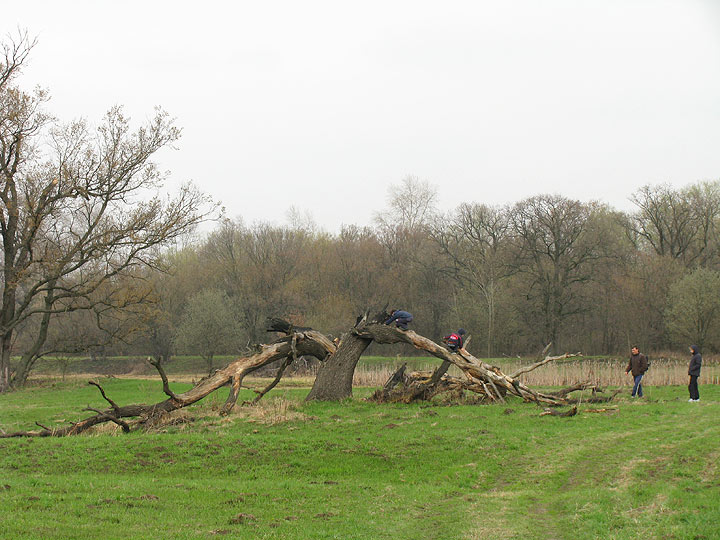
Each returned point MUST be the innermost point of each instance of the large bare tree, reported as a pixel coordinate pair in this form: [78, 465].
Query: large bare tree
[682, 224]
[79, 206]
[556, 242]
[476, 240]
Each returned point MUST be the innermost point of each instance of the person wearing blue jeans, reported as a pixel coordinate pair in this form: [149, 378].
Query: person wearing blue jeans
[638, 365]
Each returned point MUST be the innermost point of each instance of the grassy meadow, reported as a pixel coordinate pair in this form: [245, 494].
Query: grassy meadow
[288, 469]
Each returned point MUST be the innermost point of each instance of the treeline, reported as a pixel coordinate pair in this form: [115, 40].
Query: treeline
[90, 262]
[545, 269]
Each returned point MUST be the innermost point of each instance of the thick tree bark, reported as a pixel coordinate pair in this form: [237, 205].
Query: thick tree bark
[335, 376]
[30, 357]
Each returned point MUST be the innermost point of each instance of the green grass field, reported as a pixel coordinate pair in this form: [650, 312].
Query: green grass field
[358, 470]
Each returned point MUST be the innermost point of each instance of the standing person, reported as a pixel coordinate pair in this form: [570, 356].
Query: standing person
[638, 364]
[401, 318]
[455, 340]
[694, 372]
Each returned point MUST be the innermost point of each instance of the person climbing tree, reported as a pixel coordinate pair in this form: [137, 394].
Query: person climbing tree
[401, 318]
[454, 341]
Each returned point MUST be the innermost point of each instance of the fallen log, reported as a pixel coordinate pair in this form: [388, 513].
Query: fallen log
[307, 342]
[553, 412]
[477, 371]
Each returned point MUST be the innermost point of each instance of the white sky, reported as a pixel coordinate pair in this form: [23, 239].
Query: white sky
[322, 105]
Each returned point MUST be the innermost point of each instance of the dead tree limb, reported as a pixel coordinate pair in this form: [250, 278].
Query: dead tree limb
[163, 376]
[124, 425]
[110, 401]
[553, 412]
[546, 360]
[603, 399]
[474, 368]
[587, 385]
[278, 376]
[309, 342]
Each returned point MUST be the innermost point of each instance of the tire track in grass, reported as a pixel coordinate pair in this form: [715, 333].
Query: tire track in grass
[603, 462]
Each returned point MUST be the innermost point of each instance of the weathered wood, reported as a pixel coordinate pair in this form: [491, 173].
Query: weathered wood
[311, 343]
[546, 360]
[474, 368]
[587, 385]
[553, 412]
[278, 376]
[335, 376]
[102, 392]
[124, 425]
[163, 376]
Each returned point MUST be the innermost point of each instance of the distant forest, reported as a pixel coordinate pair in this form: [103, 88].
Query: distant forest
[93, 264]
[545, 269]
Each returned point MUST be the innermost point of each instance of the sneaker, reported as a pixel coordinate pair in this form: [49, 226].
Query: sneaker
[690, 400]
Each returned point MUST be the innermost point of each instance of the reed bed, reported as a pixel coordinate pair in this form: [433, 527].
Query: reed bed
[603, 372]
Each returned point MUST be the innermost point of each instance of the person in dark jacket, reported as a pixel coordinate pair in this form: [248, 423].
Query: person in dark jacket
[401, 318]
[638, 365]
[694, 373]
[455, 340]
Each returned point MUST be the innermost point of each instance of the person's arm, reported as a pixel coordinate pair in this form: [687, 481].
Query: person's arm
[643, 363]
[629, 366]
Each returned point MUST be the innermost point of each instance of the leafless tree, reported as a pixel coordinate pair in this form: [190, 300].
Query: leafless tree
[554, 246]
[412, 204]
[682, 224]
[77, 210]
[476, 240]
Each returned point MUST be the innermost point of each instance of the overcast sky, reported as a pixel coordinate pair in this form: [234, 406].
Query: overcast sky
[322, 105]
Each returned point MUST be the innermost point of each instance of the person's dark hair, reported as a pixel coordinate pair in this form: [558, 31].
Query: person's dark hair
[695, 349]
[635, 347]
[461, 331]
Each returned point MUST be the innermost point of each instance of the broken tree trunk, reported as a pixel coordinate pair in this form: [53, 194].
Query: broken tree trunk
[306, 342]
[478, 372]
[335, 376]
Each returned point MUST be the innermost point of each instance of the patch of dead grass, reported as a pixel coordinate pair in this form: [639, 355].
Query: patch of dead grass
[274, 411]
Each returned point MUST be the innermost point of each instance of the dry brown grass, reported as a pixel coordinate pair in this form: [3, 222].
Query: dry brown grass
[605, 372]
[665, 370]
[270, 411]
[662, 372]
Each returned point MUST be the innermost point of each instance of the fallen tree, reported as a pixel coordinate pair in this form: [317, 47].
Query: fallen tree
[334, 379]
[403, 387]
[296, 343]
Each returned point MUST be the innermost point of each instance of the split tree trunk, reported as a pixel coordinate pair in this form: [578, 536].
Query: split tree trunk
[335, 376]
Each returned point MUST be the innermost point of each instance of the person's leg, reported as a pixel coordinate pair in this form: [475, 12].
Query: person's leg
[639, 386]
[693, 387]
[402, 322]
[635, 386]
